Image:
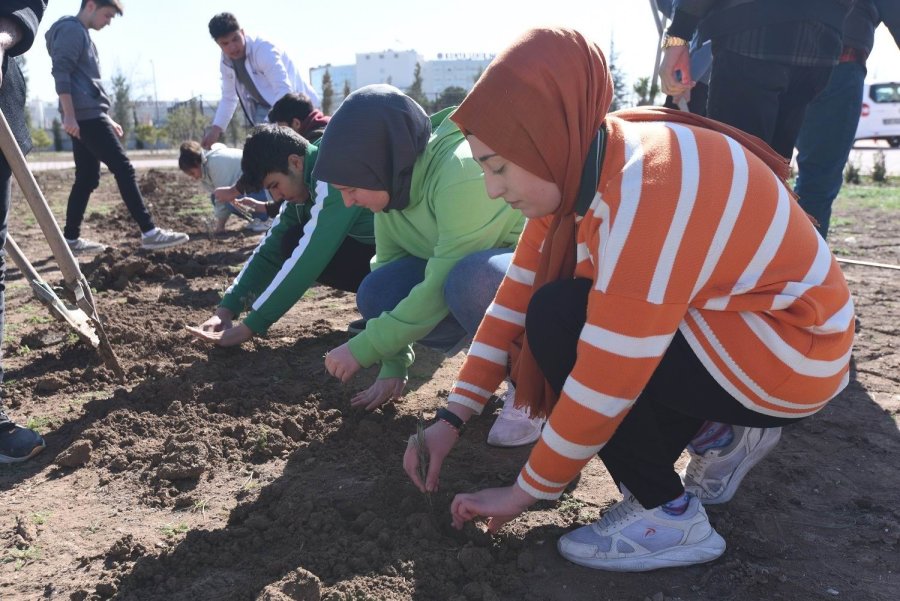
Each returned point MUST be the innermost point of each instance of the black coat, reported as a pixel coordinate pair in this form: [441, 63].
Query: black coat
[28, 14]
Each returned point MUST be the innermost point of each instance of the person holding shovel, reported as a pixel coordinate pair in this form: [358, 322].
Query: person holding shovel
[667, 284]
[442, 246]
[19, 21]
[84, 106]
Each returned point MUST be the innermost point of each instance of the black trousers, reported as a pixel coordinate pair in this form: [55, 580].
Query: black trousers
[763, 98]
[98, 143]
[678, 399]
[348, 266]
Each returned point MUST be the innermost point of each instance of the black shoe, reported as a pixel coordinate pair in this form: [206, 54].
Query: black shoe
[18, 443]
[357, 326]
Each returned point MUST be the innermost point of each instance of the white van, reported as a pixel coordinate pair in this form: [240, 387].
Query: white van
[880, 115]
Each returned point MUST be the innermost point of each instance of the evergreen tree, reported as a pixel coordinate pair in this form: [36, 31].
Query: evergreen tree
[122, 104]
[451, 96]
[646, 95]
[415, 90]
[185, 122]
[620, 89]
[346, 89]
[327, 93]
[57, 135]
[40, 139]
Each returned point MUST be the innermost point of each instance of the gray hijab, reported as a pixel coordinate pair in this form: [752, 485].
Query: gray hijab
[373, 141]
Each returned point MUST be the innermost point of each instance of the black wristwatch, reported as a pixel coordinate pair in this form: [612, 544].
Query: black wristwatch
[454, 421]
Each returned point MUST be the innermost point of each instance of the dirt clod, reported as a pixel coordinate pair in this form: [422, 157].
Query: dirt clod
[299, 585]
[78, 453]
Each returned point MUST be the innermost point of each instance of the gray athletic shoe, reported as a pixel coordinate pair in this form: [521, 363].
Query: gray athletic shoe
[163, 239]
[629, 538]
[83, 246]
[715, 475]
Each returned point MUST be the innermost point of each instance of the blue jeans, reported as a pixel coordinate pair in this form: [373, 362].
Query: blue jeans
[825, 140]
[468, 291]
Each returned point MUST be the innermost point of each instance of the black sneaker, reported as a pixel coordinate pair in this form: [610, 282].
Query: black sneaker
[357, 326]
[18, 443]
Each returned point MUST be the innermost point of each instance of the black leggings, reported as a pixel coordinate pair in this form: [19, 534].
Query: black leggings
[680, 396]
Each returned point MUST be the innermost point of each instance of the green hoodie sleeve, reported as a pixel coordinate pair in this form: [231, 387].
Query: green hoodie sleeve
[274, 283]
[468, 221]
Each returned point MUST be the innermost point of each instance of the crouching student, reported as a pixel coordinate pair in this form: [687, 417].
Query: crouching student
[667, 293]
[218, 170]
[297, 112]
[442, 246]
[314, 238]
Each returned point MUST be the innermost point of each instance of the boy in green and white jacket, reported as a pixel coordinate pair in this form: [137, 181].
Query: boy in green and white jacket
[314, 238]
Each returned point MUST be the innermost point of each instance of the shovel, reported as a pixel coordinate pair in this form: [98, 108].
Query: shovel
[74, 279]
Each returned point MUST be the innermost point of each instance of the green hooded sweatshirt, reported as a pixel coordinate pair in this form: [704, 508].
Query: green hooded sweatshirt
[449, 217]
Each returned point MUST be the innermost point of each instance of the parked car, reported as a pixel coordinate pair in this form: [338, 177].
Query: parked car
[880, 115]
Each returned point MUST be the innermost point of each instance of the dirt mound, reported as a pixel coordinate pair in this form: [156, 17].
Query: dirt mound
[243, 473]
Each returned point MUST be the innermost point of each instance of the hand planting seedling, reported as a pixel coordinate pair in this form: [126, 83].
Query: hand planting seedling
[422, 451]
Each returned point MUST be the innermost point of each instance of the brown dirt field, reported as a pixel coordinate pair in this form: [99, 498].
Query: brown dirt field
[244, 474]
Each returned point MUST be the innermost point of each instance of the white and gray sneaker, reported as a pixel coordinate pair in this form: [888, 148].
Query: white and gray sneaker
[629, 538]
[715, 475]
[83, 246]
[514, 427]
[159, 238]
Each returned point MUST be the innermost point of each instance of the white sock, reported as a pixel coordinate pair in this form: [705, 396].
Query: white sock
[152, 232]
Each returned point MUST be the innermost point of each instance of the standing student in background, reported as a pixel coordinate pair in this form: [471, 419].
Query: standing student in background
[831, 120]
[84, 106]
[255, 74]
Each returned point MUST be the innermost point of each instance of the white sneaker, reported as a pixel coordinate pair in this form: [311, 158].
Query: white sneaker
[514, 427]
[256, 226]
[84, 246]
[715, 475]
[163, 239]
[629, 538]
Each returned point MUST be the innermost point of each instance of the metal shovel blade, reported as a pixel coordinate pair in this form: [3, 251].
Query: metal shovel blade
[74, 317]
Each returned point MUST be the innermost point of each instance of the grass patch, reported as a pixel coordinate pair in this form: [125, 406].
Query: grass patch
[39, 518]
[39, 424]
[262, 439]
[21, 556]
[196, 205]
[886, 197]
[101, 210]
[37, 320]
[173, 530]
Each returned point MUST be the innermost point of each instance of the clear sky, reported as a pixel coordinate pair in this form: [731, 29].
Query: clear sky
[170, 37]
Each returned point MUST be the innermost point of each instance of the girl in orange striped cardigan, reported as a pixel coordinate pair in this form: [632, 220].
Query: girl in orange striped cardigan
[667, 293]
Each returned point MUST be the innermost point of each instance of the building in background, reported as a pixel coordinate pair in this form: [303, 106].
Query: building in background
[398, 67]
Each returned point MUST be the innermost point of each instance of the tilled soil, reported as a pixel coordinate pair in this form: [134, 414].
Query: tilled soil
[244, 473]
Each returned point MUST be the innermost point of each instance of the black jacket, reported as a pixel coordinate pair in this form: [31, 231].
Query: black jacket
[722, 17]
[28, 14]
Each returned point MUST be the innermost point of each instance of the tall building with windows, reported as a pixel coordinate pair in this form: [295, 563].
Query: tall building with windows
[397, 67]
